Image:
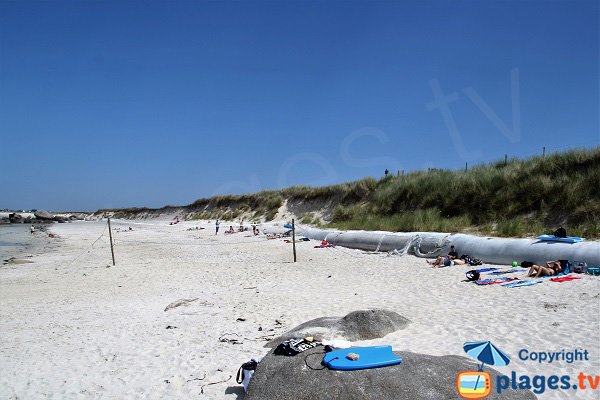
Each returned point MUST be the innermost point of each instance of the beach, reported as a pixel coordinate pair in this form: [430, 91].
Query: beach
[76, 327]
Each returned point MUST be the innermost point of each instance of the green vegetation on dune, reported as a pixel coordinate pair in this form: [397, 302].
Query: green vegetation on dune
[516, 198]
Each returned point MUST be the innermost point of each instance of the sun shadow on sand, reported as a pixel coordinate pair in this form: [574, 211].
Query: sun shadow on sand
[237, 390]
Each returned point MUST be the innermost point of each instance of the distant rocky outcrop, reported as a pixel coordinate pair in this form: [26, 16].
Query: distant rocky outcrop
[60, 218]
[15, 218]
[44, 215]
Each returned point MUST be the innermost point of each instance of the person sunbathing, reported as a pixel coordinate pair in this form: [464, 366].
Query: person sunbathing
[551, 268]
[231, 230]
[443, 261]
[447, 260]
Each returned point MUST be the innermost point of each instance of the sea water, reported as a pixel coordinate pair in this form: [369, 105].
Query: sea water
[14, 238]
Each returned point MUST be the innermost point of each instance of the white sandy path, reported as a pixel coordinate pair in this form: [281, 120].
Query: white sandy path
[71, 328]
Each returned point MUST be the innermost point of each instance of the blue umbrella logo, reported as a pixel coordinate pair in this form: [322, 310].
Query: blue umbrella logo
[486, 353]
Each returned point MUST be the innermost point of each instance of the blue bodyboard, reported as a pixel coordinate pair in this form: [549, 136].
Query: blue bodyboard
[552, 238]
[369, 357]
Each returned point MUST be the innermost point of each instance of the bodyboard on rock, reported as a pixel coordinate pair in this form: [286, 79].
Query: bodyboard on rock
[552, 238]
[369, 357]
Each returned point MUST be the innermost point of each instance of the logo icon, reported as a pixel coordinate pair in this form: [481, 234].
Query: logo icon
[473, 384]
[477, 384]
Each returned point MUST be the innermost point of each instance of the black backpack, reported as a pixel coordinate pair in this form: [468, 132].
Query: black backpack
[473, 275]
[560, 233]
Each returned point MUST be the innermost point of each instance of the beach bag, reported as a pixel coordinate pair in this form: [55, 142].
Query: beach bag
[579, 267]
[294, 346]
[471, 260]
[245, 373]
[473, 275]
[593, 271]
[560, 233]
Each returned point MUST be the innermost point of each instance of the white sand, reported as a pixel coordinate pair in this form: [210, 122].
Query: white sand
[73, 328]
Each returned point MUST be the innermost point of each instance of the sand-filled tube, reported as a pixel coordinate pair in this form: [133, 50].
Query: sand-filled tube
[422, 244]
[489, 249]
[504, 251]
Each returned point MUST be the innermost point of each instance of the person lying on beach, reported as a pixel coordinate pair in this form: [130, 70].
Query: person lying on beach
[446, 261]
[551, 268]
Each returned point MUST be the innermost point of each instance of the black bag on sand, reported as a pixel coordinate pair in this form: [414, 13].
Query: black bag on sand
[245, 373]
[473, 275]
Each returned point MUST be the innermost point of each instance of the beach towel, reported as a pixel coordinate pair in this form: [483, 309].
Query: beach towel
[323, 246]
[510, 271]
[486, 269]
[565, 278]
[495, 281]
[297, 240]
[520, 284]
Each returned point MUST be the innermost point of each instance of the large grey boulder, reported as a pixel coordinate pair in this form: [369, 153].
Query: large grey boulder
[419, 376]
[357, 325]
[43, 215]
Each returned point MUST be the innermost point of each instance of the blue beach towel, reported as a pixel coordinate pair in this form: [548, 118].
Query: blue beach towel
[520, 284]
[511, 271]
[486, 269]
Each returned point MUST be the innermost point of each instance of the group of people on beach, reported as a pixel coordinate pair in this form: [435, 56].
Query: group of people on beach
[255, 230]
[553, 267]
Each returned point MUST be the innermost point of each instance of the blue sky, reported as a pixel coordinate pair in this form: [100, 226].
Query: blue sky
[117, 104]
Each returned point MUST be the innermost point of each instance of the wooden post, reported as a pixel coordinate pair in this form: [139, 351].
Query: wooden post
[466, 166]
[294, 238]
[544, 152]
[506, 159]
[112, 250]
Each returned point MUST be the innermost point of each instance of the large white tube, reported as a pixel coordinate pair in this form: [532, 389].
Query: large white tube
[489, 249]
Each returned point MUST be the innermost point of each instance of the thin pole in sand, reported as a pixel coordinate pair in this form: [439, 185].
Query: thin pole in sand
[544, 152]
[294, 238]
[112, 250]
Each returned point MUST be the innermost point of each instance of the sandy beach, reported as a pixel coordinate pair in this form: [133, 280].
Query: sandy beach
[75, 327]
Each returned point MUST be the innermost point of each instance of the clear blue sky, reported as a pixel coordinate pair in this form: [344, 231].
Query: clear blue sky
[126, 103]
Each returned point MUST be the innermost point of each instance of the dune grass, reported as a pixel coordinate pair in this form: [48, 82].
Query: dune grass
[519, 198]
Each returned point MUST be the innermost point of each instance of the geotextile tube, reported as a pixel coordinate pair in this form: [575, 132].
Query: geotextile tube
[491, 250]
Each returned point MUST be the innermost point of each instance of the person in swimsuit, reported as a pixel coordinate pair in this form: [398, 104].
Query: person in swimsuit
[551, 268]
